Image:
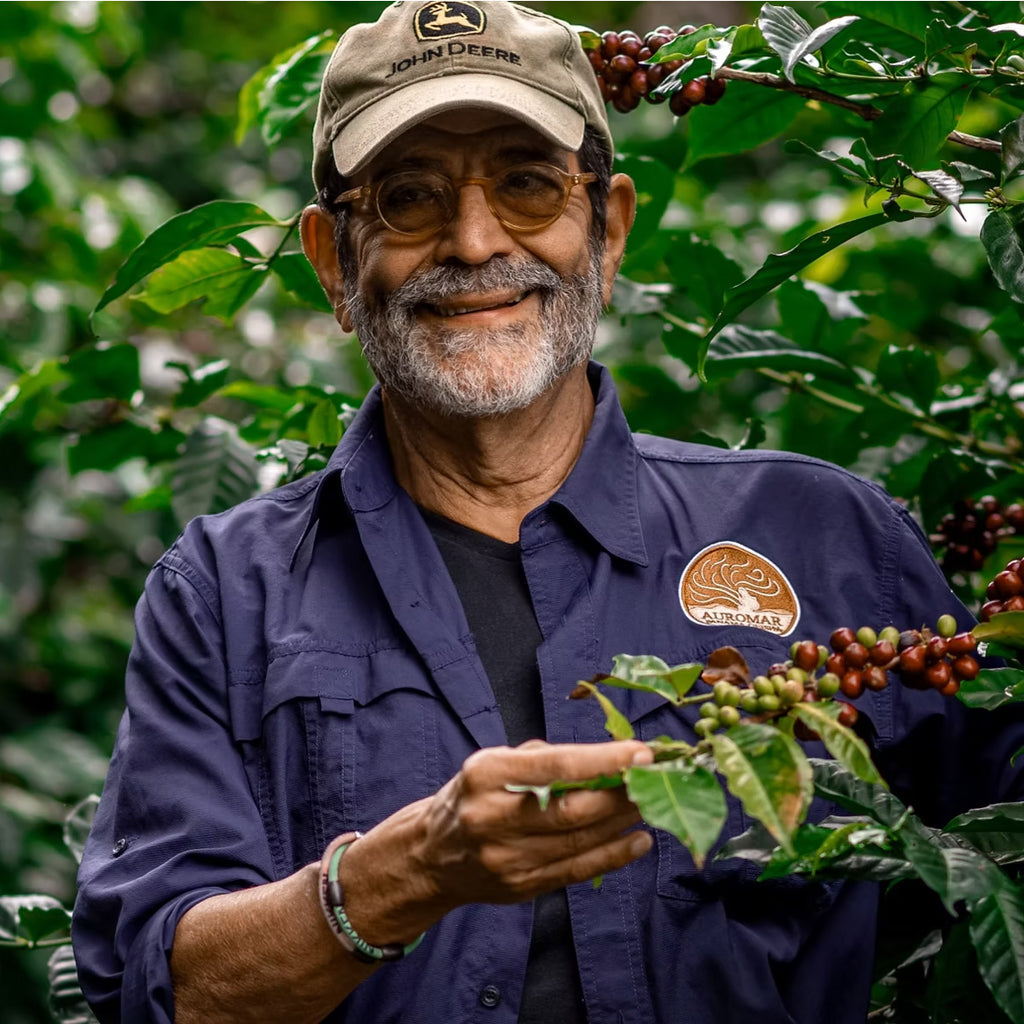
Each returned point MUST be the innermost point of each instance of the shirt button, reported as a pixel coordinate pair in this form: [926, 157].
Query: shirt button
[490, 996]
[119, 847]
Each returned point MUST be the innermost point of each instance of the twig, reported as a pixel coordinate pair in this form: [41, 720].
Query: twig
[989, 145]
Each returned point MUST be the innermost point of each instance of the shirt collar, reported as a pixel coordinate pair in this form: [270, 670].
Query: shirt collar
[600, 493]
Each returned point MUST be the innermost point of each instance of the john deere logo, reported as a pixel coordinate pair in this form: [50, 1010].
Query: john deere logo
[438, 20]
[727, 584]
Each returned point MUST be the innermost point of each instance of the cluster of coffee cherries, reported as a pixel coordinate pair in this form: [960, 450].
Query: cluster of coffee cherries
[971, 531]
[626, 76]
[854, 661]
[1006, 591]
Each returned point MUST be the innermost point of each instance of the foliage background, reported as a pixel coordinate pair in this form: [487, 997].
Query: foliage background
[115, 116]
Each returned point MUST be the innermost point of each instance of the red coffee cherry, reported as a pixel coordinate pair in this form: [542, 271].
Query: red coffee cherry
[836, 664]
[852, 684]
[842, 638]
[856, 655]
[913, 660]
[806, 655]
[694, 91]
[875, 678]
[939, 674]
[714, 90]
[883, 653]
[848, 715]
[965, 667]
[962, 643]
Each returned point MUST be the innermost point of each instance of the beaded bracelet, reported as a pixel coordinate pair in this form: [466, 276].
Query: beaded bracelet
[331, 902]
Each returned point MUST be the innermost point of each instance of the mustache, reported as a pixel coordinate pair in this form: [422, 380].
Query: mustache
[498, 273]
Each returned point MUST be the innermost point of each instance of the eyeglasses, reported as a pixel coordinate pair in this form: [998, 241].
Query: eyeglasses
[526, 197]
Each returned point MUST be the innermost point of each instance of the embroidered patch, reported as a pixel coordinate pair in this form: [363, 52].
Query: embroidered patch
[438, 20]
[727, 584]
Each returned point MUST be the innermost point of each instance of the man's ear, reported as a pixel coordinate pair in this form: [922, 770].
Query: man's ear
[621, 211]
[317, 230]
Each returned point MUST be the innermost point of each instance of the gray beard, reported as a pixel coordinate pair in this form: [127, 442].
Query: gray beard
[426, 366]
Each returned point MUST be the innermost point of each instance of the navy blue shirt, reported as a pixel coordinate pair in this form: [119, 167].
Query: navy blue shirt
[303, 667]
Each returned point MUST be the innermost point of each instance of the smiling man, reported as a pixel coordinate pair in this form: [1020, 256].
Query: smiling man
[333, 685]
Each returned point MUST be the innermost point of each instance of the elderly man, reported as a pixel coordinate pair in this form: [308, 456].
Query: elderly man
[332, 685]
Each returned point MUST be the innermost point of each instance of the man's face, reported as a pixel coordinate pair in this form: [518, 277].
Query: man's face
[476, 319]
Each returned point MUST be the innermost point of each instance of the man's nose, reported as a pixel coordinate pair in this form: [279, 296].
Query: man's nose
[474, 234]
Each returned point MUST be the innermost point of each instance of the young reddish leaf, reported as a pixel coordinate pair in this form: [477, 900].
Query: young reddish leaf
[770, 775]
[682, 798]
[726, 663]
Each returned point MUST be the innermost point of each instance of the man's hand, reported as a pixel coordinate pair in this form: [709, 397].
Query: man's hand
[475, 842]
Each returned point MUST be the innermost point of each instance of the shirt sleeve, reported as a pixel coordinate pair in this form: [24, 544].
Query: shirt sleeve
[942, 757]
[177, 821]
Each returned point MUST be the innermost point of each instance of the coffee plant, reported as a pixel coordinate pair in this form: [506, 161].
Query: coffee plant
[828, 258]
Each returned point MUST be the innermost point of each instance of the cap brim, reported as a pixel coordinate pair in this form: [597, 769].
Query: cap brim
[382, 122]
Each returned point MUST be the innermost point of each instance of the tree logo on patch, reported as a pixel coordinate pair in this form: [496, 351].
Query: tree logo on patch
[438, 20]
[727, 584]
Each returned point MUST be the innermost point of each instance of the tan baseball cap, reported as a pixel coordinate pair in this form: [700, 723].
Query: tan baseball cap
[424, 58]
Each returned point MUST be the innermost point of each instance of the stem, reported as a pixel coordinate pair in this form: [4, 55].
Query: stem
[975, 142]
[292, 225]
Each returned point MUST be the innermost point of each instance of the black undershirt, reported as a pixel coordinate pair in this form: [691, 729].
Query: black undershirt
[489, 578]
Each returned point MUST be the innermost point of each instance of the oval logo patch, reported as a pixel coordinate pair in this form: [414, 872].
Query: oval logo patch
[437, 20]
[727, 584]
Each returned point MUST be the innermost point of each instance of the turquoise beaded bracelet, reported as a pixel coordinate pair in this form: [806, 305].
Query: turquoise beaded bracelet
[331, 902]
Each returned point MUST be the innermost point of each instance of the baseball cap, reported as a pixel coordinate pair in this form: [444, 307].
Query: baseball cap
[420, 59]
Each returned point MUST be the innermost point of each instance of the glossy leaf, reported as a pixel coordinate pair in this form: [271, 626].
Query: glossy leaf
[745, 117]
[917, 122]
[297, 275]
[997, 830]
[615, 722]
[740, 348]
[42, 379]
[24, 920]
[906, 23]
[944, 185]
[768, 773]
[682, 798]
[215, 471]
[324, 428]
[792, 38]
[993, 687]
[652, 675]
[223, 280]
[212, 224]
[109, 447]
[997, 931]
[200, 383]
[1011, 137]
[837, 783]
[779, 266]
[703, 272]
[1006, 628]
[1001, 236]
[910, 371]
[842, 743]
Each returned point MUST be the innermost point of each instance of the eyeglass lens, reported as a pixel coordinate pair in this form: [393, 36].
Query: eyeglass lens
[524, 197]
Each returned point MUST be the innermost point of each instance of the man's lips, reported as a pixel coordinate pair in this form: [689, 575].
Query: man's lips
[473, 304]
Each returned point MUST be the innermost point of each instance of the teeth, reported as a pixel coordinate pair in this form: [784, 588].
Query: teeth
[447, 311]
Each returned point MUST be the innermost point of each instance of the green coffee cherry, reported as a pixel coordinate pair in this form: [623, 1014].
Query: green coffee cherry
[798, 674]
[792, 692]
[778, 682]
[867, 636]
[710, 711]
[726, 694]
[728, 717]
[828, 685]
[705, 726]
[763, 686]
[946, 626]
[890, 633]
[769, 702]
[750, 702]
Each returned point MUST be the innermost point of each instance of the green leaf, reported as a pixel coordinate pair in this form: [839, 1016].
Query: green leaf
[40, 922]
[260, 93]
[768, 773]
[746, 116]
[944, 185]
[615, 722]
[215, 471]
[993, 687]
[684, 47]
[41, 380]
[779, 266]
[324, 426]
[212, 224]
[655, 183]
[108, 447]
[293, 86]
[701, 271]
[24, 920]
[908, 21]
[915, 124]
[1011, 137]
[997, 931]
[792, 38]
[682, 798]
[1000, 235]
[1006, 628]
[910, 371]
[297, 275]
[225, 281]
[200, 383]
[261, 395]
[834, 781]
[652, 675]
[953, 872]
[740, 348]
[102, 371]
[997, 830]
[842, 743]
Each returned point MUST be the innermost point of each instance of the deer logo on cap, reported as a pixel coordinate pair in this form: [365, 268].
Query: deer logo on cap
[438, 20]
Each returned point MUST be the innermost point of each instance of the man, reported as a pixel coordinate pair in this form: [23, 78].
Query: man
[384, 647]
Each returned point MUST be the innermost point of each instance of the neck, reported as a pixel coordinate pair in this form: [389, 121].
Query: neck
[489, 473]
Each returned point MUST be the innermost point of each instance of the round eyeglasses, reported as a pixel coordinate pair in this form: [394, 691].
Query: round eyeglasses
[526, 197]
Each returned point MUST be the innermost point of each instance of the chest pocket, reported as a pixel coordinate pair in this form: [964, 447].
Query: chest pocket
[334, 742]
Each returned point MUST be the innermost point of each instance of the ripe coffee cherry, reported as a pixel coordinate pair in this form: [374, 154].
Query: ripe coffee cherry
[989, 609]
[913, 660]
[679, 104]
[965, 667]
[805, 655]
[951, 689]
[856, 655]
[883, 653]
[852, 684]
[842, 638]
[1007, 584]
[939, 674]
[936, 648]
[1014, 604]
[847, 715]
[962, 643]
[836, 664]
[714, 90]
[693, 91]
[875, 677]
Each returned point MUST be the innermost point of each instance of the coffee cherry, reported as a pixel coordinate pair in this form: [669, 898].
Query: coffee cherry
[883, 653]
[726, 694]
[805, 655]
[842, 638]
[679, 104]
[875, 677]
[890, 635]
[769, 702]
[714, 90]
[913, 660]
[763, 686]
[856, 655]
[729, 717]
[939, 674]
[1007, 584]
[962, 643]
[836, 664]
[951, 689]
[1014, 604]
[965, 667]
[792, 692]
[709, 710]
[705, 726]
[693, 91]
[867, 636]
[750, 702]
[989, 609]
[936, 648]
[609, 44]
[847, 715]
[828, 685]
[852, 684]
[946, 626]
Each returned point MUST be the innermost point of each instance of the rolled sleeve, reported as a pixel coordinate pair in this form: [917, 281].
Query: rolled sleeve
[177, 821]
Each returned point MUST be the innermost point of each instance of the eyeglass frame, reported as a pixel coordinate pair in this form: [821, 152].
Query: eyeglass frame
[569, 182]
